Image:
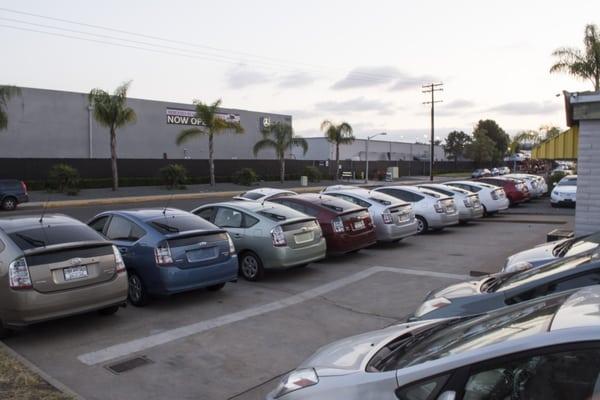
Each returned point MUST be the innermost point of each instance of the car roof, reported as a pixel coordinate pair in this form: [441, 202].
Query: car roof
[258, 206]
[21, 223]
[474, 183]
[268, 191]
[148, 214]
[323, 200]
[433, 186]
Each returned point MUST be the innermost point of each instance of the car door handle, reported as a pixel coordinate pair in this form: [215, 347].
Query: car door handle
[123, 250]
[238, 235]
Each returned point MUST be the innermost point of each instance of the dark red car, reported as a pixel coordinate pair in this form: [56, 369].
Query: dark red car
[516, 190]
[346, 226]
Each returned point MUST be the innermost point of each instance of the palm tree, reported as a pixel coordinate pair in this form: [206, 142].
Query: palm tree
[280, 137]
[338, 134]
[213, 125]
[583, 64]
[112, 112]
[6, 92]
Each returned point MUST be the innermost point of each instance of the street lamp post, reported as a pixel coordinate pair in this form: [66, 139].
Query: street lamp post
[367, 154]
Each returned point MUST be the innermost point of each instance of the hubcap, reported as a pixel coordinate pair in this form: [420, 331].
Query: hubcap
[135, 288]
[249, 266]
[420, 226]
[9, 204]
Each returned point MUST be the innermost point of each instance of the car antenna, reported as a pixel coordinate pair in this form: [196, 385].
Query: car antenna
[164, 212]
[41, 220]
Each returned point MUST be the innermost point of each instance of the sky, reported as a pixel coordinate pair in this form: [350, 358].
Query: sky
[363, 62]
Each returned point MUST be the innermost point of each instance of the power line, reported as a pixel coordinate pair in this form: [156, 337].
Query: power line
[432, 88]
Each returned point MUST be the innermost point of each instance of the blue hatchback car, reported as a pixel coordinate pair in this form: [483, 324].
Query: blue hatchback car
[167, 251]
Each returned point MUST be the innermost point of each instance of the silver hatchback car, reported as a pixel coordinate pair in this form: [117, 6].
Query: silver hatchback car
[548, 348]
[267, 235]
[468, 204]
[394, 219]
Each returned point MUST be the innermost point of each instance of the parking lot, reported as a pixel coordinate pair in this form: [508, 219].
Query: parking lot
[237, 342]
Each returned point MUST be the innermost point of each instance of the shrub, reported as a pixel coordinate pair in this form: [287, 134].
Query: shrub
[174, 176]
[64, 179]
[554, 178]
[245, 176]
[312, 173]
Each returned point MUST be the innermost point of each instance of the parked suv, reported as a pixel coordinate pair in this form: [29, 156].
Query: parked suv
[12, 192]
[56, 267]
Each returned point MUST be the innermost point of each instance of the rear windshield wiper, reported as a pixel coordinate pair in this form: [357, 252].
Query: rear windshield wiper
[31, 241]
[166, 227]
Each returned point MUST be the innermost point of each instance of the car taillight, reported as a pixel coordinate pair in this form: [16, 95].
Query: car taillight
[278, 237]
[162, 254]
[388, 218]
[231, 246]
[18, 274]
[119, 264]
[438, 207]
[338, 225]
[467, 202]
[24, 187]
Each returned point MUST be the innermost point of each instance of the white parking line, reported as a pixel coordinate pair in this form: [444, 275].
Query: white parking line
[144, 343]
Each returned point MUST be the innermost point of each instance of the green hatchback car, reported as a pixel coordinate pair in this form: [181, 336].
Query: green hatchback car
[267, 235]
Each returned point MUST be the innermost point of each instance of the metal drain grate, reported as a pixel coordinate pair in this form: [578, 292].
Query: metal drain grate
[128, 365]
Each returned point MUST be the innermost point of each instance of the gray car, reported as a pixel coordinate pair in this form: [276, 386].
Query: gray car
[267, 235]
[544, 349]
[468, 204]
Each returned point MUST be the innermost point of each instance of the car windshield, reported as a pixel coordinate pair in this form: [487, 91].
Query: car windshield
[447, 338]
[51, 235]
[252, 195]
[568, 182]
[176, 224]
[533, 274]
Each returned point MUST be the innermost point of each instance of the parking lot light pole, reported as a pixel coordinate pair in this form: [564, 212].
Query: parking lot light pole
[367, 154]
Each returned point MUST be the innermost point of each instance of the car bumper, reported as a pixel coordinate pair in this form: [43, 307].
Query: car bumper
[345, 243]
[441, 220]
[391, 232]
[563, 200]
[517, 197]
[30, 306]
[470, 213]
[176, 280]
[285, 257]
[497, 205]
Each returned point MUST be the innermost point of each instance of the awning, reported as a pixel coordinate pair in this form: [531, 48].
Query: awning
[560, 147]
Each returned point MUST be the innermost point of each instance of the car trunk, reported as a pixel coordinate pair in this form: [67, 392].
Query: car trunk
[401, 214]
[356, 222]
[71, 265]
[199, 248]
[301, 233]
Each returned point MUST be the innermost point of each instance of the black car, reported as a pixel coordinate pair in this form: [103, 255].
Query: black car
[12, 192]
[502, 289]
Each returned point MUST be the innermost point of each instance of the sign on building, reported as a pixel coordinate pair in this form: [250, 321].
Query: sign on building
[179, 116]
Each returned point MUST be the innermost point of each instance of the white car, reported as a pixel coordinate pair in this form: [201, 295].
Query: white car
[565, 192]
[468, 204]
[432, 210]
[536, 184]
[264, 194]
[493, 198]
[394, 219]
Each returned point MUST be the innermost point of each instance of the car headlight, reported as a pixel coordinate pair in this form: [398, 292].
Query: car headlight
[431, 305]
[296, 380]
[518, 266]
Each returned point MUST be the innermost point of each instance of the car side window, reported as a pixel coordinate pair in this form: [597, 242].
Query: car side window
[99, 224]
[249, 221]
[573, 374]
[423, 390]
[122, 229]
[417, 197]
[206, 213]
[228, 218]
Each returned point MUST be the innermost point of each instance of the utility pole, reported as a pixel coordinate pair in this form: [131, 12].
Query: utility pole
[432, 88]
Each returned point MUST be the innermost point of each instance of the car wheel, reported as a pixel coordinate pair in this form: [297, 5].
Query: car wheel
[109, 310]
[251, 267]
[9, 203]
[421, 225]
[485, 211]
[216, 288]
[137, 294]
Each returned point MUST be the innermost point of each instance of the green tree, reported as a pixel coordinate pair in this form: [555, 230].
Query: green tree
[112, 112]
[584, 64]
[6, 92]
[455, 144]
[524, 140]
[496, 134]
[482, 149]
[212, 124]
[338, 135]
[549, 131]
[280, 137]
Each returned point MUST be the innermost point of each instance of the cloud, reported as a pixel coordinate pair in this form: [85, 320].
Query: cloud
[396, 79]
[296, 79]
[357, 104]
[458, 104]
[526, 108]
[242, 76]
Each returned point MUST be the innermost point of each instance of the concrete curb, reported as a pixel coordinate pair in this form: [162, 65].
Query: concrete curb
[52, 381]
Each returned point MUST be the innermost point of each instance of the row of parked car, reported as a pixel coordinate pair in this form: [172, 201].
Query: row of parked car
[485, 172]
[530, 331]
[54, 265]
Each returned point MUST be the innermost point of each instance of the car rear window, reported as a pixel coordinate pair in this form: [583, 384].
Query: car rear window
[442, 191]
[51, 235]
[252, 195]
[272, 215]
[176, 224]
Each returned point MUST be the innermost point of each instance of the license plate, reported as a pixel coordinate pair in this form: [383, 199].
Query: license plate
[403, 218]
[300, 238]
[359, 225]
[75, 273]
[202, 254]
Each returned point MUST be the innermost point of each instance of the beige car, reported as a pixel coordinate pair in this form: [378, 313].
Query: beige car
[55, 267]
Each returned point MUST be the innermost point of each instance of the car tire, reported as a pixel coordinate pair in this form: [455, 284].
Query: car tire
[251, 266]
[422, 225]
[216, 288]
[109, 310]
[9, 203]
[485, 211]
[137, 293]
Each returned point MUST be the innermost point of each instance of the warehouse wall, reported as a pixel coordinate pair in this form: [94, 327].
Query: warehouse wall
[587, 217]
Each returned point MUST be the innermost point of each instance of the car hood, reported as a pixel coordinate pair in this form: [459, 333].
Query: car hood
[348, 355]
[536, 256]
